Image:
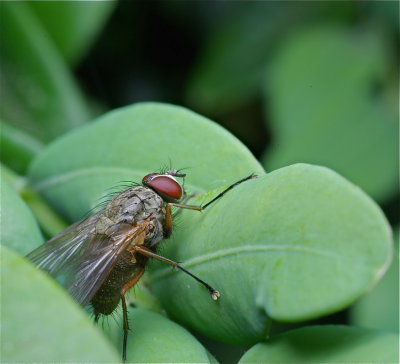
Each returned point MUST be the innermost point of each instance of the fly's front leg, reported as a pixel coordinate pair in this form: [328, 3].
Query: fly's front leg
[201, 208]
[168, 215]
[167, 228]
[168, 224]
[128, 285]
[185, 199]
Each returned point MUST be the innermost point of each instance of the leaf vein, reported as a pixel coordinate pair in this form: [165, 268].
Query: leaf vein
[242, 249]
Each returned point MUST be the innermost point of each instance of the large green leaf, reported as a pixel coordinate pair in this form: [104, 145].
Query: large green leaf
[327, 344]
[38, 93]
[126, 144]
[155, 339]
[18, 227]
[41, 323]
[332, 101]
[73, 25]
[295, 244]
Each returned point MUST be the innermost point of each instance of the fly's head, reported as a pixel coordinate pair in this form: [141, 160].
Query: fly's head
[165, 185]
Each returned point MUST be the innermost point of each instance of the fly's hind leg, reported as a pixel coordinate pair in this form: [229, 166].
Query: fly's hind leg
[126, 326]
[128, 285]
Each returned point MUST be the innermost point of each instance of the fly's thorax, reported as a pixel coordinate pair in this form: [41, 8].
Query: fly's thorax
[131, 207]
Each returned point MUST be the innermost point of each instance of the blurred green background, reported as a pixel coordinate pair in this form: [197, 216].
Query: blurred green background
[313, 82]
[296, 82]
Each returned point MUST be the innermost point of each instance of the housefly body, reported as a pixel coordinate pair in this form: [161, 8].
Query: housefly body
[100, 258]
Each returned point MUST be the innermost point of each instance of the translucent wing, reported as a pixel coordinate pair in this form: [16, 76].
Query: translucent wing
[80, 259]
[58, 252]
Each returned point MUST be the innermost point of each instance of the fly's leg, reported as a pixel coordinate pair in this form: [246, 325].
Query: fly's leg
[127, 286]
[201, 208]
[125, 327]
[169, 215]
[167, 227]
[186, 198]
[148, 253]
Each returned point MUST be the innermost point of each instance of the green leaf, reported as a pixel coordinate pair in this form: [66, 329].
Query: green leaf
[332, 101]
[41, 323]
[38, 93]
[296, 244]
[155, 339]
[73, 25]
[17, 148]
[379, 309]
[231, 68]
[128, 143]
[19, 229]
[327, 344]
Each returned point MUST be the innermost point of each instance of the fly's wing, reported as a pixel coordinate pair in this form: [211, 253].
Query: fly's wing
[54, 255]
[89, 273]
[82, 262]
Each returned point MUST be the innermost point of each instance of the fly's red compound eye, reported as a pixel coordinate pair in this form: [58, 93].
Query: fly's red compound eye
[148, 177]
[166, 186]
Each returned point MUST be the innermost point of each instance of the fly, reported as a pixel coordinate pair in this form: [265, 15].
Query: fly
[98, 259]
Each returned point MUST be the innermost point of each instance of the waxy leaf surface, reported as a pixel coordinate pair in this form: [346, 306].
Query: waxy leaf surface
[41, 323]
[327, 344]
[18, 227]
[155, 339]
[76, 171]
[295, 244]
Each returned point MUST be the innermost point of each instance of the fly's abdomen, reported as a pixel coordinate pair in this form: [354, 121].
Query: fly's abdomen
[106, 299]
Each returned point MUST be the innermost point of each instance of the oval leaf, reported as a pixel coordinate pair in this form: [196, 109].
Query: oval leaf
[128, 143]
[19, 229]
[41, 323]
[155, 339]
[327, 344]
[332, 101]
[296, 244]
